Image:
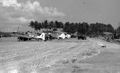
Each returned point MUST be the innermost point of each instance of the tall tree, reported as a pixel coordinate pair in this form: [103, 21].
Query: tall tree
[83, 28]
[110, 28]
[118, 30]
[32, 25]
[45, 24]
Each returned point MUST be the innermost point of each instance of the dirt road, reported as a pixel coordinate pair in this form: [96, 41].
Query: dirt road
[53, 56]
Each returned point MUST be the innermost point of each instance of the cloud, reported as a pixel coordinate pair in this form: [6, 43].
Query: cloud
[36, 7]
[8, 3]
[32, 7]
[20, 19]
[23, 19]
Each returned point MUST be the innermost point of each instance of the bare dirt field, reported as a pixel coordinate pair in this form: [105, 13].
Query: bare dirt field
[59, 56]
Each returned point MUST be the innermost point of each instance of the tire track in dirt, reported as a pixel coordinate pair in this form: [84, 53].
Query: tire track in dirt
[47, 56]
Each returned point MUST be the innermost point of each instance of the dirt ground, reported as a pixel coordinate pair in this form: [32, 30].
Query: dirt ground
[59, 56]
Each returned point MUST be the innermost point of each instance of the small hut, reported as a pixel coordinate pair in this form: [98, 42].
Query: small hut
[108, 36]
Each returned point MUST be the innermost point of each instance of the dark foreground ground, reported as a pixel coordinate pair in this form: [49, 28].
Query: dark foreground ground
[59, 56]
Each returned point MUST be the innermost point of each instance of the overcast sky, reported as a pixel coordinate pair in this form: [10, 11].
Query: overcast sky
[14, 13]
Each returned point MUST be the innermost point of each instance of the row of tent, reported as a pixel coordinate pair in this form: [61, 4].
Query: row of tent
[44, 36]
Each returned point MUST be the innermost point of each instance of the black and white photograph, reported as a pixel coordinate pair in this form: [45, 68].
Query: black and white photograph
[59, 36]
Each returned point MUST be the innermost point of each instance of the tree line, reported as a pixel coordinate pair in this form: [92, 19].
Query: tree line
[81, 27]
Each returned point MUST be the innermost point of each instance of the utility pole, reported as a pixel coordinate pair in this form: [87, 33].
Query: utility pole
[18, 28]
